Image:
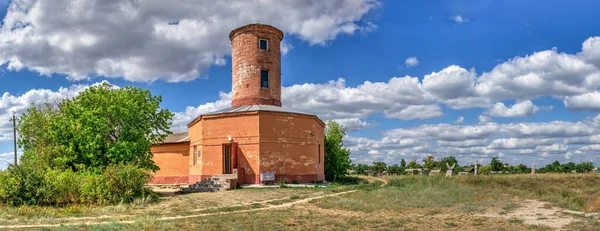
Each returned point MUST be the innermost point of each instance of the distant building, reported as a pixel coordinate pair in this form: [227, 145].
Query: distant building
[469, 170]
[435, 172]
[413, 171]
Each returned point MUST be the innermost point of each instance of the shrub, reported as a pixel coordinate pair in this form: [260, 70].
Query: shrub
[281, 183]
[23, 185]
[122, 183]
[349, 180]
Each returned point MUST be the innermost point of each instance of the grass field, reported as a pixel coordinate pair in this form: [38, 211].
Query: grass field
[501, 202]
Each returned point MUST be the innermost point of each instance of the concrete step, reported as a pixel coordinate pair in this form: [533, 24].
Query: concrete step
[213, 184]
[225, 176]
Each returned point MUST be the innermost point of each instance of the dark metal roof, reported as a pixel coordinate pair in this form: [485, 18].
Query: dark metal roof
[179, 137]
[252, 108]
[255, 108]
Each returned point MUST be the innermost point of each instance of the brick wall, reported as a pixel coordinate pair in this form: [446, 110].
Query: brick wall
[173, 162]
[292, 146]
[247, 62]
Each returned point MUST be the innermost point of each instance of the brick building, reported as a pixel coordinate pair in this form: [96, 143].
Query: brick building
[256, 134]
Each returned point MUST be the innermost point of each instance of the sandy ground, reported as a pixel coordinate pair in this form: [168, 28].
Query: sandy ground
[533, 212]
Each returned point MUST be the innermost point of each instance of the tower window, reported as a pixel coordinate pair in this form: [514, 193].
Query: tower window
[264, 78]
[263, 44]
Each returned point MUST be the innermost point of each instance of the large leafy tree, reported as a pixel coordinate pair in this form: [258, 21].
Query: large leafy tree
[585, 167]
[337, 158]
[413, 164]
[397, 169]
[101, 126]
[361, 168]
[379, 166]
[450, 160]
[496, 164]
[429, 162]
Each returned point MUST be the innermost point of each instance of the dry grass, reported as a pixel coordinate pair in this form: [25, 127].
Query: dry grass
[405, 203]
[579, 192]
[165, 206]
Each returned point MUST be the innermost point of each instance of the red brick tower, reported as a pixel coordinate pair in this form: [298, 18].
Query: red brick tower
[256, 65]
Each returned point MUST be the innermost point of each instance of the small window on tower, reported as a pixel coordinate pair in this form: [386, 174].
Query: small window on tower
[264, 78]
[263, 44]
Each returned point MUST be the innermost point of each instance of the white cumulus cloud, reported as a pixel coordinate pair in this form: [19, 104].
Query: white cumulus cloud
[519, 109]
[144, 41]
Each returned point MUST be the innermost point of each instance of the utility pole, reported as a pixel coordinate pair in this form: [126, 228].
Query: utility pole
[14, 120]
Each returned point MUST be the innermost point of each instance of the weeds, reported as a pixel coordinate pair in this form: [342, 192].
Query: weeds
[508, 208]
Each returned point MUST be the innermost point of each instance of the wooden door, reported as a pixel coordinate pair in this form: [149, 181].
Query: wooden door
[227, 168]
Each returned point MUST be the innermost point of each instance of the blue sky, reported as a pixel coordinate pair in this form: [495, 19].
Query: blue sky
[473, 79]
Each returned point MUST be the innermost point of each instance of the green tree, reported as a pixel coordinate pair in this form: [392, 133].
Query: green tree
[521, 168]
[450, 160]
[101, 126]
[568, 167]
[585, 167]
[403, 163]
[413, 164]
[379, 166]
[555, 167]
[496, 164]
[485, 169]
[396, 169]
[361, 169]
[337, 158]
[91, 149]
[429, 162]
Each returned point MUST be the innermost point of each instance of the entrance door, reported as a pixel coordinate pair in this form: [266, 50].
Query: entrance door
[227, 159]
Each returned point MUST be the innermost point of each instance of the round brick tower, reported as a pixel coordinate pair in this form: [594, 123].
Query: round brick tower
[256, 65]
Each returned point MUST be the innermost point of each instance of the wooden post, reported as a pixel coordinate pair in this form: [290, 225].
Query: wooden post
[14, 120]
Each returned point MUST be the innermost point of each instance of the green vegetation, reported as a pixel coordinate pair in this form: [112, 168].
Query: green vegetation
[429, 162]
[99, 127]
[337, 158]
[91, 149]
[576, 192]
[568, 167]
[116, 183]
[406, 202]
[495, 165]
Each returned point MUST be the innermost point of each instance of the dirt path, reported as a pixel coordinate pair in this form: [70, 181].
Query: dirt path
[269, 207]
[371, 179]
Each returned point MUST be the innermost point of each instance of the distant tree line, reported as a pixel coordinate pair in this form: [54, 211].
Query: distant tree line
[568, 167]
[337, 162]
[495, 165]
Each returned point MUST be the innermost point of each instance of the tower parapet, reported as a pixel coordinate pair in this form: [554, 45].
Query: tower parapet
[256, 65]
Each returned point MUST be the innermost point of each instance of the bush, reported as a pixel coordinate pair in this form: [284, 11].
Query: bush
[23, 185]
[349, 180]
[122, 183]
